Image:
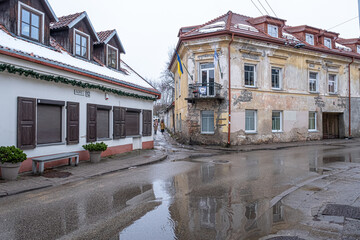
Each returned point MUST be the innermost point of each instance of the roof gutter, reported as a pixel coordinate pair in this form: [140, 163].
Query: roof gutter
[229, 64]
[352, 61]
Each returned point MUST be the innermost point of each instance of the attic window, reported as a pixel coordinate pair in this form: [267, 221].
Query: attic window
[273, 30]
[81, 44]
[30, 22]
[309, 38]
[112, 56]
[358, 48]
[327, 42]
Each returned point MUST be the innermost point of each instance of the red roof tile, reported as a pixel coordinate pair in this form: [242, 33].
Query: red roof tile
[64, 21]
[104, 35]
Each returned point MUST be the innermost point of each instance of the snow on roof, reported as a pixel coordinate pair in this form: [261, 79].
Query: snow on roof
[246, 27]
[342, 47]
[289, 36]
[64, 58]
[217, 26]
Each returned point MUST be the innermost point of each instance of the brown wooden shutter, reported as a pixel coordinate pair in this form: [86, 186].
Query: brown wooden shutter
[147, 122]
[122, 123]
[116, 125]
[91, 123]
[72, 129]
[26, 123]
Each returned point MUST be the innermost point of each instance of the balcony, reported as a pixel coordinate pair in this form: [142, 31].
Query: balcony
[204, 91]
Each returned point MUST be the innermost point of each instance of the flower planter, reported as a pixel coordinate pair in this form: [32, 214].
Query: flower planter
[9, 171]
[95, 156]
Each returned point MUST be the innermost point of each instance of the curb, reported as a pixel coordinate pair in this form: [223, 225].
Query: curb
[4, 194]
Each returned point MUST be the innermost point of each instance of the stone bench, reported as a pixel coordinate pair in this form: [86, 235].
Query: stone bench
[42, 160]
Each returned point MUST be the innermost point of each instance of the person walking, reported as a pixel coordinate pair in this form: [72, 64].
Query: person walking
[162, 126]
[156, 124]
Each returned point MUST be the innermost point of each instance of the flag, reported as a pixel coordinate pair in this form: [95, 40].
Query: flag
[216, 58]
[180, 69]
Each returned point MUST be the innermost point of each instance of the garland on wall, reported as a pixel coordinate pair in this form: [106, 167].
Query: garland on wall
[58, 79]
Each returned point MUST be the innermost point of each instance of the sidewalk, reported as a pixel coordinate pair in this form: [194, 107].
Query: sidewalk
[66, 174]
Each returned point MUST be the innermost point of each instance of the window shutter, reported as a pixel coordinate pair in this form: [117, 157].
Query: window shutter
[91, 123]
[147, 122]
[119, 123]
[72, 129]
[26, 123]
[122, 123]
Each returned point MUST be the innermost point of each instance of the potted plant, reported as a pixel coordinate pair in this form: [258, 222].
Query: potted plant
[95, 150]
[11, 158]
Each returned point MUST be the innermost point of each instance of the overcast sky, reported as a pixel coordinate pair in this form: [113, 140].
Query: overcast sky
[149, 28]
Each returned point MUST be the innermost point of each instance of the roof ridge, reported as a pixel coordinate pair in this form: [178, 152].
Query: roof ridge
[209, 22]
[229, 19]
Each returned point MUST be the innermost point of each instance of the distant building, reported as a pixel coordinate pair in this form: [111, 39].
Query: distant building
[64, 85]
[286, 83]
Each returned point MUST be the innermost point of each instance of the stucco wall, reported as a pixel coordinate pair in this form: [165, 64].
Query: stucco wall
[13, 86]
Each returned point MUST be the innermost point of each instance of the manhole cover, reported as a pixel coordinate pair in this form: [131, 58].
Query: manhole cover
[56, 174]
[220, 161]
[286, 238]
[342, 210]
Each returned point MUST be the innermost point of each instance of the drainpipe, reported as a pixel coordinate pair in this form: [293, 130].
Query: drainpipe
[229, 60]
[350, 97]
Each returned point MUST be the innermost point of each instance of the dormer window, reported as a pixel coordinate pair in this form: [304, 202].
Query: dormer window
[309, 38]
[358, 48]
[30, 22]
[327, 42]
[81, 44]
[273, 30]
[112, 56]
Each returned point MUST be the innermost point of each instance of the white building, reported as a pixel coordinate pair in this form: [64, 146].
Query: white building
[63, 85]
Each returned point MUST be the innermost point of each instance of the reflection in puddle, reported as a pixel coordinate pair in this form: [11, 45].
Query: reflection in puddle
[156, 224]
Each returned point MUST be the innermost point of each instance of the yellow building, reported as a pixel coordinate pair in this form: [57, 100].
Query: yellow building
[286, 83]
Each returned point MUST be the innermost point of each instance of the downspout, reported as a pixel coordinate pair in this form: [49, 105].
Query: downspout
[229, 126]
[352, 61]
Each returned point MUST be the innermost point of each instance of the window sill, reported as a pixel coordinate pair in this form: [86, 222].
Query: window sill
[247, 86]
[313, 131]
[314, 93]
[208, 133]
[250, 133]
[334, 94]
[50, 144]
[278, 89]
[134, 136]
[280, 131]
[103, 139]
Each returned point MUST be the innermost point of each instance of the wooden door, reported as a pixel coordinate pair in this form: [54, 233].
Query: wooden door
[330, 125]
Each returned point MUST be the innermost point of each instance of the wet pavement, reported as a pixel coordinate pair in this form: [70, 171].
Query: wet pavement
[308, 192]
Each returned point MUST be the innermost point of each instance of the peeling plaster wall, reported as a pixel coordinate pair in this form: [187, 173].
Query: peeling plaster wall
[293, 98]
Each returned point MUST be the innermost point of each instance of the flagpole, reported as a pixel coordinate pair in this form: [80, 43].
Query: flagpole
[187, 71]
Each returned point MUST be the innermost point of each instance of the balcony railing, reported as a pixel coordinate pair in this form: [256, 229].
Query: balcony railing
[204, 90]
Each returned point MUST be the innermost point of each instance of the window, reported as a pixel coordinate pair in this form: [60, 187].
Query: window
[309, 38]
[313, 76]
[273, 30]
[277, 121]
[249, 75]
[276, 78]
[102, 123]
[49, 122]
[358, 48]
[112, 57]
[332, 83]
[207, 79]
[207, 207]
[81, 44]
[132, 122]
[179, 87]
[312, 121]
[327, 42]
[250, 121]
[30, 22]
[207, 122]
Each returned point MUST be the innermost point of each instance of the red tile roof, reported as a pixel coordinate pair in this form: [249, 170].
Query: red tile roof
[65, 21]
[104, 35]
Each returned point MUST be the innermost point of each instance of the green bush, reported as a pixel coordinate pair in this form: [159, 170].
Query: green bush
[11, 154]
[95, 147]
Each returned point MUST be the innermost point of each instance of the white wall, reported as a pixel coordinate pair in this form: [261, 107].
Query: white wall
[13, 86]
